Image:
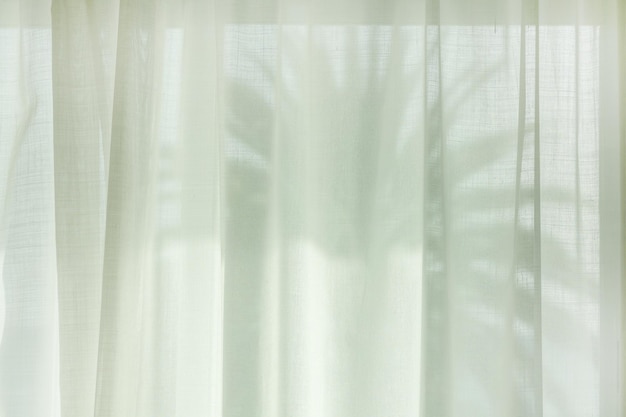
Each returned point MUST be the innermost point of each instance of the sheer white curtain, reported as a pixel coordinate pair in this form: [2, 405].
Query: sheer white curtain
[307, 208]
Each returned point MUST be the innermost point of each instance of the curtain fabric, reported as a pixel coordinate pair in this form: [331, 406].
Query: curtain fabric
[311, 208]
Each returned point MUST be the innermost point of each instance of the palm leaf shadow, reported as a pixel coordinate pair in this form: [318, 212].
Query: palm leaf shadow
[362, 184]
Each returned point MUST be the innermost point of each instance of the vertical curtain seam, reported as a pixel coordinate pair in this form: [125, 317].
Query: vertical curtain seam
[537, 218]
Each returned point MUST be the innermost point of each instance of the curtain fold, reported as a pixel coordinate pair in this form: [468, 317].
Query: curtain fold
[296, 208]
[83, 38]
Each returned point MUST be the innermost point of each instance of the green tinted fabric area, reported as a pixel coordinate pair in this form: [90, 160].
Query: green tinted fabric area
[294, 208]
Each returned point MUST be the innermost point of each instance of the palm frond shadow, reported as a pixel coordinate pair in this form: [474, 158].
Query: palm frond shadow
[362, 165]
